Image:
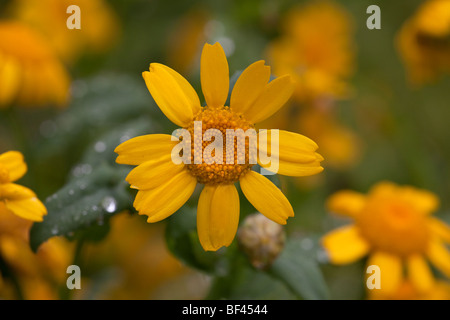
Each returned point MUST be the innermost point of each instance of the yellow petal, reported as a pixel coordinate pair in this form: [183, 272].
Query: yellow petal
[12, 191]
[153, 173]
[9, 81]
[266, 197]
[30, 209]
[419, 273]
[276, 93]
[217, 216]
[162, 201]
[172, 93]
[296, 153]
[440, 229]
[345, 245]
[346, 202]
[144, 148]
[214, 75]
[14, 163]
[391, 271]
[424, 201]
[439, 256]
[249, 86]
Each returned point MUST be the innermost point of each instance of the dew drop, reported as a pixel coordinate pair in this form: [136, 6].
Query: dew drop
[100, 146]
[55, 230]
[109, 204]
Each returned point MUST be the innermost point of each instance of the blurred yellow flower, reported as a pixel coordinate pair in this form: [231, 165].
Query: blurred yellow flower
[140, 255]
[339, 145]
[16, 198]
[316, 49]
[423, 42]
[100, 27]
[38, 274]
[30, 74]
[164, 186]
[440, 290]
[393, 225]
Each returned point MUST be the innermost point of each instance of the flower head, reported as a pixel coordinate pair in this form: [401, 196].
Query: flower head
[165, 186]
[16, 198]
[393, 225]
[99, 25]
[316, 49]
[30, 73]
[423, 42]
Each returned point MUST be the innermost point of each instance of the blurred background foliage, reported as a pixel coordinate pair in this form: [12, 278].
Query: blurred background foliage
[391, 127]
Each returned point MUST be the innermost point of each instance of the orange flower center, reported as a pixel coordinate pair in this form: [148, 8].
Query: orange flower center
[234, 161]
[393, 226]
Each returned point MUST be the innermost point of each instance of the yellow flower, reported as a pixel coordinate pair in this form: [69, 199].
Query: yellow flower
[30, 74]
[316, 49]
[164, 186]
[339, 145]
[423, 42]
[38, 274]
[393, 225]
[16, 198]
[141, 255]
[99, 25]
[440, 290]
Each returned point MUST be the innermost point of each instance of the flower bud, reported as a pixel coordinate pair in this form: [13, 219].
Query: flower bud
[261, 239]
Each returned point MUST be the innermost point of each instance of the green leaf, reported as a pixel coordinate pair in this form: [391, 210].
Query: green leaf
[182, 241]
[96, 188]
[99, 104]
[300, 272]
[243, 282]
[82, 203]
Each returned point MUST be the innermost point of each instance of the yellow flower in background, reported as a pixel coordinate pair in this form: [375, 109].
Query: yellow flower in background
[316, 49]
[16, 198]
[30, 73]
[38, 274]
[393, 224]
[144, 265]
[339, 145]
[423, 42]
[440, 290]
[100, 27]
[164, 186]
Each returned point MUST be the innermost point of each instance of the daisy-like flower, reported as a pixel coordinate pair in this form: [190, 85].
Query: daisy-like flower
[165, 186]
[393, 225]
[30, 73]
[316, 48]
[16, 198]
[423, 42]
[100, 26]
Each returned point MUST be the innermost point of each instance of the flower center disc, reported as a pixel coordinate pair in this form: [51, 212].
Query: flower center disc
[394, 227]
[232, 167]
